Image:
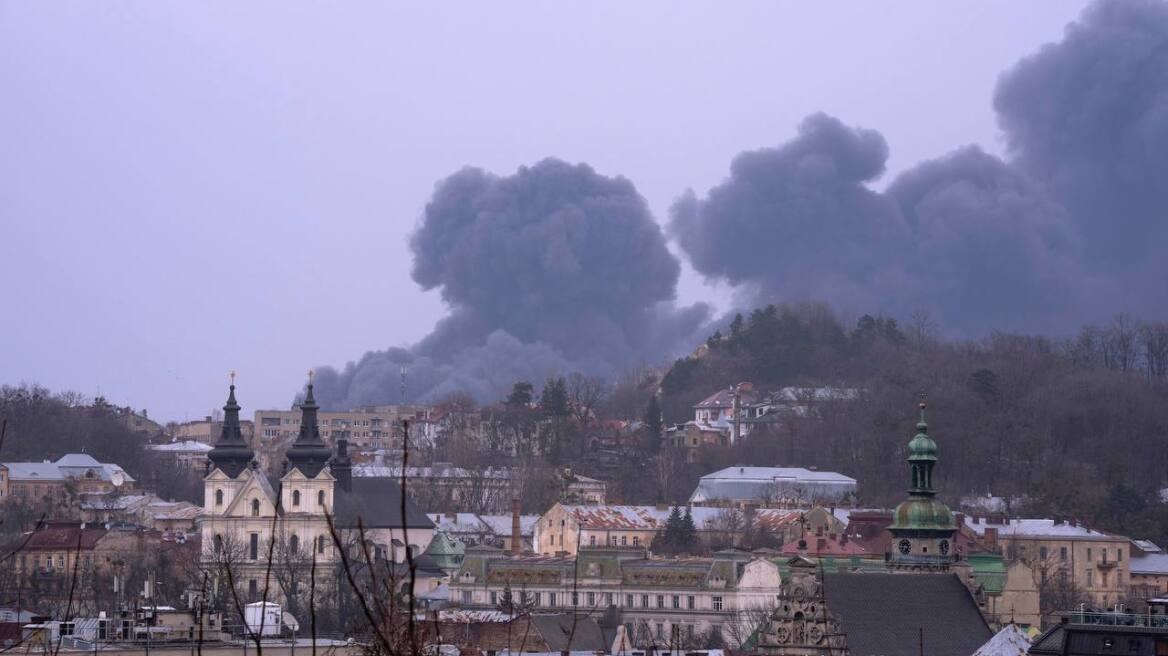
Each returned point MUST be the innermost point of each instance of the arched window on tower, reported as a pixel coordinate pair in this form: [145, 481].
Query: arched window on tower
[255, 507]
[218, 497]
[218, 544]
[294, 543]
[320, 498]
[295, 497]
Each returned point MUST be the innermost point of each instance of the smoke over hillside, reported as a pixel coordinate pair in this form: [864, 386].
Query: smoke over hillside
[1072, 227]
[551, 270]
[557, 269]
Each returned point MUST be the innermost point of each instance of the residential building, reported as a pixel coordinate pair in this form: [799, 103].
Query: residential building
[1106, 634]
[487, 490]
[144, 510]
[1063, 551]
[773, 487]
[366, 428]
[1149, 571]
[205, 430]
[472, 529]
[565, 528]
[695, 601]
[70, 475]
[189, 454]
[247, 516]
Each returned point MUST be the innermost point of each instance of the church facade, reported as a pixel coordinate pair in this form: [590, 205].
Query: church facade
[259, 533]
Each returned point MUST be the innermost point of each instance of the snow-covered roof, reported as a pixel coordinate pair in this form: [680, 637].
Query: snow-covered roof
[1038, 528]
[1151, 564]
[753, 483]
[71, 465]
[1010, 641]
[1146, 546]
[184, 446]
[652, 518]
[501, 524]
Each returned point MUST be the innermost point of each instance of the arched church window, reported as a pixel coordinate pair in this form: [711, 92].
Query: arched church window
[320, 498]
[255, 507]
[295, 497]
[320, 543]
[218, 543]
[294, 543]
[218, 497]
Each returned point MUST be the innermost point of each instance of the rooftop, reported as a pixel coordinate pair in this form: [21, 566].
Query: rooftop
[1038, 528]
[70, 465]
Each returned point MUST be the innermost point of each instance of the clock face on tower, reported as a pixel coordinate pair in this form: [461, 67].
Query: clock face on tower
[904, 546]
[944, 547]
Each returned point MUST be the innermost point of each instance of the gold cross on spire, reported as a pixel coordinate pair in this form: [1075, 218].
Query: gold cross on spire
[232, 375]
[311, 373]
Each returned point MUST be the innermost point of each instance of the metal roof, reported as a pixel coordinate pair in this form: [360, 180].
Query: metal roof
[71, 465]
[1038, 528]
[753, 483]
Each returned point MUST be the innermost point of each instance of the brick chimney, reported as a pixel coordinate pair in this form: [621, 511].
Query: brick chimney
[991, 538]
[516, 534]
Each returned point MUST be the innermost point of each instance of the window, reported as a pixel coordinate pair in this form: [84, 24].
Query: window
[717, 603]
[535, 598]
[592, 540]
[676, 601]
[1090, 582]
[255, 507]
[636, 540]
[716, 633]
[320, 544]
[689, 603]
[1104, 554]
[591, 596]
[466, 596]
[659, 631]
[628, 601]
[320, 498]
[1103, 579]
[624, 540]
[494, 598]
[608, 599]
[218, 543]
[1088, 553]
[1062, 553]
[254, 546]
[294, 543]
[575, 599]
[218, 497]
[1119, 554]
[644, 601]
[552, 599]
[661, 601]
[252, 588]
[1042, 553]
[295, 497]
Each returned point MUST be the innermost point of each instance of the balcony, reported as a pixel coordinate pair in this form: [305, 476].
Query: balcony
[1106, 564]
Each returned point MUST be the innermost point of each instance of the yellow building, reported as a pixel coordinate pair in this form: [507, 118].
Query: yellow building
[72, 474]
[1063, 551]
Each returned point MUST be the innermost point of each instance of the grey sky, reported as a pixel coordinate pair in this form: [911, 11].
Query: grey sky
[187, 189]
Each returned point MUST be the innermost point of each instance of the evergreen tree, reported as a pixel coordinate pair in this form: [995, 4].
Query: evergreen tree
[687, 534]
[669, 540]
[653, 426]
[521, 394]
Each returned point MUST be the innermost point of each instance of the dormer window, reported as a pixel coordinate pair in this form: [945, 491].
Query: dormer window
[255, 507]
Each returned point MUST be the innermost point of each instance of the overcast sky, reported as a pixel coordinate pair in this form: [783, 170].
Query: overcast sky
[187, 189]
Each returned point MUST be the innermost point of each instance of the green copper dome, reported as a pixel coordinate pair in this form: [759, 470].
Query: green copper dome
[922, 447]
[922, 514]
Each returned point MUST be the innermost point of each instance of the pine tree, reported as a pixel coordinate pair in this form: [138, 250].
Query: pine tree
[687, 533]
[669, 540]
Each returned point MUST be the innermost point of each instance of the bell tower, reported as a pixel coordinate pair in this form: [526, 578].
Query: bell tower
[922, 527]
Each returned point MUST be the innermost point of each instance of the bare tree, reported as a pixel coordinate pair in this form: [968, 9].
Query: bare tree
[585, 394]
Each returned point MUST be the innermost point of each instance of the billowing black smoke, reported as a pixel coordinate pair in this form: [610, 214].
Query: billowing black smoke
[1073, 227]
[551, 270]
[1088, 116]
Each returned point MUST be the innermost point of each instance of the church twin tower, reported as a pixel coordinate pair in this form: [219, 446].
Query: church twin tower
[922, 527]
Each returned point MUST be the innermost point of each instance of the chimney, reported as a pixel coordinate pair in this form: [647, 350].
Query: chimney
[735, 410]
[991, 538]
[342, 467]
[1058, 520]
[516, 534]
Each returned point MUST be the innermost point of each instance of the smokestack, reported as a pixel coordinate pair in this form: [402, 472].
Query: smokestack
[516, 536]
[735, 408]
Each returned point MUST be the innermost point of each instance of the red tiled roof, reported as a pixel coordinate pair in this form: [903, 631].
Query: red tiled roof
[57, 536]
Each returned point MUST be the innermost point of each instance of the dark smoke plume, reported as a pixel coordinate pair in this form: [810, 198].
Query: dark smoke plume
[1072, 228]
[1088, 116]
[551, 270]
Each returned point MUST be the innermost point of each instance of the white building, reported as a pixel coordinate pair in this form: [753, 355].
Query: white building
[773, 487]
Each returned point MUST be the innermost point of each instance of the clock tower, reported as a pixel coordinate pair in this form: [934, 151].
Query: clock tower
[922, 527]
